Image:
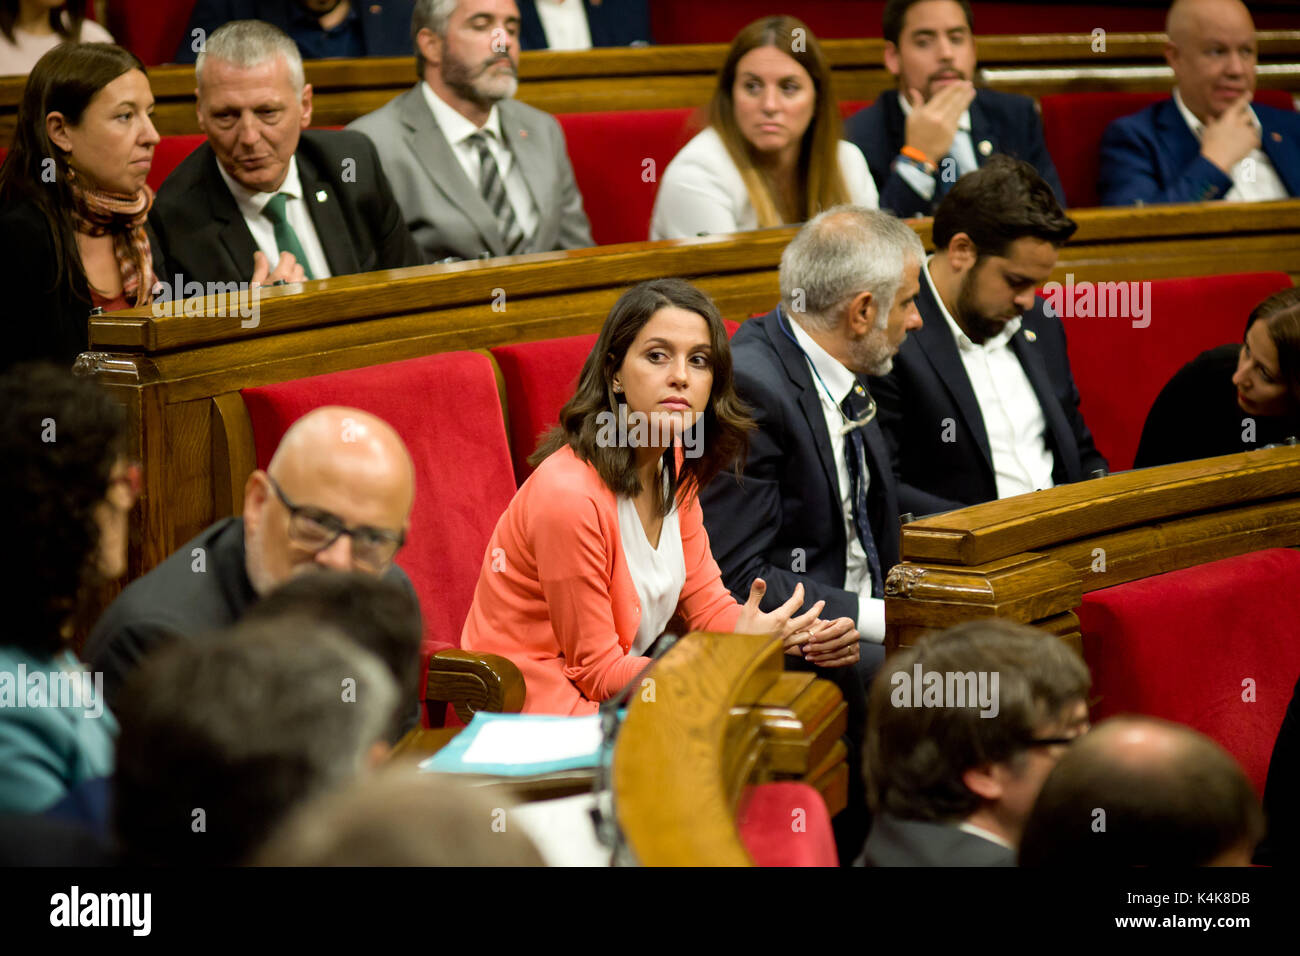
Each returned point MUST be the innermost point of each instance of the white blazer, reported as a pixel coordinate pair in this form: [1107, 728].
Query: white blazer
[701, 192]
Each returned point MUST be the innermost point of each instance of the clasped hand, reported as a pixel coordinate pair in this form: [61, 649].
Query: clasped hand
[824, 643]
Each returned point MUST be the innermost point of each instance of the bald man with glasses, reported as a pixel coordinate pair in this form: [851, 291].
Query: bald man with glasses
[337, 495]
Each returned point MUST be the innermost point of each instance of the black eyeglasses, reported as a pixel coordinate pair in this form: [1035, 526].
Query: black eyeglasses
[314, 530]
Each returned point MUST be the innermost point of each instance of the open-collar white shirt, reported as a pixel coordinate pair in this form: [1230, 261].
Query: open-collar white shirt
[1253, 179]
[252, 205]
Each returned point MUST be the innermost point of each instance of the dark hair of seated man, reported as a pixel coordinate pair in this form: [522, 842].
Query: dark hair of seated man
[220, 739]
[377, 613]
[949, 762]
[1002, 201]
[1144, 792]
[401, 817]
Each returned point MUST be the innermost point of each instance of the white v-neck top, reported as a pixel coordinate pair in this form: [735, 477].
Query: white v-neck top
[659, 574]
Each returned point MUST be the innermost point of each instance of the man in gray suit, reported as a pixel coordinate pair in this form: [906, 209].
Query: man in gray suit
[963, 727]
[476, 173]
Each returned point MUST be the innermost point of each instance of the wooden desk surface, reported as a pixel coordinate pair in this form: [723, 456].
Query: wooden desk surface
[423, 742]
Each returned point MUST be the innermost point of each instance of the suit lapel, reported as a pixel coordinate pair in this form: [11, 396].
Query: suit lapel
[895, 122]
[1179, 140]
[327, 213]
[430, 147]
[530, 156]
[232, 232]
[981, 130]
[796, 367]
[940, 349]
[1031, 360]
[1284, 154]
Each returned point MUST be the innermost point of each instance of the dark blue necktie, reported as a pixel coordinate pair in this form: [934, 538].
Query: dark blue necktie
[855, 453]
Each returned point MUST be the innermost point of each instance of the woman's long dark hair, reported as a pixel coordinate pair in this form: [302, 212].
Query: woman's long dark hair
[76, 10]
[64, 80]
[725, 422]
[1280, 313]
[59, 437]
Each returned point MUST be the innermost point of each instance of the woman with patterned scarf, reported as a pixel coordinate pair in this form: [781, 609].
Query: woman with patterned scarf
[73, 200]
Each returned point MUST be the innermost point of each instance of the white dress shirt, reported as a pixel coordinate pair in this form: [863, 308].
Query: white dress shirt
[962, 150]
[658, 574]
[565, 24]
[457, 129]
[1013, 419]
[857, 573]
[701, 192]
[1253, 179]
[251, 205]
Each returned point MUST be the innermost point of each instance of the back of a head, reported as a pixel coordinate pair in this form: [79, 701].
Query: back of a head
[59, 438]
[401, 817]
[1002, 201]
[840, 253]
[1138, 791]
[222, 735]
[249, 43]
[379, 614]
[996, 682]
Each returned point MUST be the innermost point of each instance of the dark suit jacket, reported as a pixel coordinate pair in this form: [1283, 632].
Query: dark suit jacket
[46, 319]
[384, 28]
[1007, 121]
[1153, 157]
[786, 508]
[612, 23]
[897, 842]
[929, 384]
[177, 601]
[359, 224]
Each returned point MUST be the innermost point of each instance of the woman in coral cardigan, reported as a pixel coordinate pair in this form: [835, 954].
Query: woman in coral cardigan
[604, 543]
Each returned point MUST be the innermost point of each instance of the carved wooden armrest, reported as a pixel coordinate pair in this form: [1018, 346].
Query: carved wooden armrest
[472, 682]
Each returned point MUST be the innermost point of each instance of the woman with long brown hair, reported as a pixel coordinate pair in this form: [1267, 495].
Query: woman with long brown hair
[74, 199]
[772, 153]
[604, 544]
[31, 28]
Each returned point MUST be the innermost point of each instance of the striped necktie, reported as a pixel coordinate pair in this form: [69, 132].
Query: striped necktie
[493, 189]
[855, 450]
[286, 239]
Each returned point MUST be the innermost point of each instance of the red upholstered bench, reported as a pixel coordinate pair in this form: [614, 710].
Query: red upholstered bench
[1120, 369]
[169, 152]
[539, 378]
[447, 409]
[609, 152]
[786, 824]
[1213, 647]
[1073, 124]
[151, 29]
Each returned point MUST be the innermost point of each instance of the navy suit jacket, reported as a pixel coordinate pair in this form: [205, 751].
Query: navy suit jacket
[1153, 157]
[1008, 122]
[612, 23]
[929, 386]
[384, 28]
[784, 513]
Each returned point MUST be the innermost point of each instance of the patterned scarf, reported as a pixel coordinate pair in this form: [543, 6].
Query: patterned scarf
[99, 213]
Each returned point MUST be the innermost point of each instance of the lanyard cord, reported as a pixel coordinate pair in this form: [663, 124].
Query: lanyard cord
[849, 424]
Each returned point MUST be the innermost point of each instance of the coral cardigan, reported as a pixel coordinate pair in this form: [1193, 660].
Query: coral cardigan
[556, 597]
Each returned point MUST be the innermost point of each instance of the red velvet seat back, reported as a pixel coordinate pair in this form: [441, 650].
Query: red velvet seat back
[609, 152]
[539, 378]
[1073, 124]
[169, 152]
[448, 411]
[1120, 369]
[786, 824]
[151, 29]
[1213, 647]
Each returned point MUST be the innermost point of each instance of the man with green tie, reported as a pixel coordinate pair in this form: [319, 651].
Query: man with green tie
[265, 198]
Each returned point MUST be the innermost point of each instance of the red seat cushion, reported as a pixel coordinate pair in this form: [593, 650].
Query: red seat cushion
[786, 824]
[1120, 369]
[609, 152]
[1073, 124]
[447, 409]
[151, 29]
[1182, 645]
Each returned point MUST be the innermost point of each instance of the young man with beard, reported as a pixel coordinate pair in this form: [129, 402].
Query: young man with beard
[476, 173]
[981, 403]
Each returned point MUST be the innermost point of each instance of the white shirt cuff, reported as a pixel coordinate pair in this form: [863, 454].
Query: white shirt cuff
[871, 619]
[920, 182]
